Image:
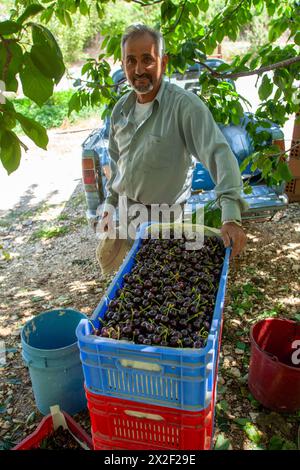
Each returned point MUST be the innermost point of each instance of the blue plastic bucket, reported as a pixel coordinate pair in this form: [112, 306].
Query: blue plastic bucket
[50, 351]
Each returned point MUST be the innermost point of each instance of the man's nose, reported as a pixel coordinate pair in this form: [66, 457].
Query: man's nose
[139, 68]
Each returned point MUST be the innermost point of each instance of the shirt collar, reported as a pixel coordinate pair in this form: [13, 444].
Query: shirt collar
[131, 98]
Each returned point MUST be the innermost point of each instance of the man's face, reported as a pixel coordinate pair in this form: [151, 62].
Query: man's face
[143, 66]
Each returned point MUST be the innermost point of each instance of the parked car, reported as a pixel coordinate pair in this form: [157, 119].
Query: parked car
[263, 202]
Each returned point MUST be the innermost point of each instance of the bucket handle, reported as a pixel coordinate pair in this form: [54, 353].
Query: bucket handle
[138, 414]
[140, 365]
[30, 362]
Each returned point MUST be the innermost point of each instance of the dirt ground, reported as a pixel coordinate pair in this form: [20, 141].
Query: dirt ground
[44, 268]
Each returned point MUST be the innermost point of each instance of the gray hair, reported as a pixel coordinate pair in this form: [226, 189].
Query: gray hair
[141, 29]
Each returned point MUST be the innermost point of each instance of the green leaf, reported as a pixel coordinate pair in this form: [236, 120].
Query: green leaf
[271, 7]
[47, 62]
[86, 67]
[252, 400]
[283, 172]
[245, 58]
[74, 103]
[68, 19]
[241, 421]
[194, 9]
[277, 94]
[238, 108]
[245, 163]
[34, 130]
[16, 61]
[60, 15]
[220, 33]
[212, 216]
[5, 254]
[112, 44]
[105, 92]
[47, 15]
[100, 11]
[203, 5]
[275, 443]
[241, 346]
[10, 151]
[42, 35]
[168, 10]
[11, 59]
[297, 38]
[35, 85]
[223, 405]
[9, 119]
[254, 63]
[9, 27]
[83, 8]
[30, 11]
[222, 443]
[11, 84]
[265, 88]
[253, 433]
[247, 189]
[46, 44]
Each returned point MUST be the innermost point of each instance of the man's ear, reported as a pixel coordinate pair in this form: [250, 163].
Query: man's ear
[164, 62]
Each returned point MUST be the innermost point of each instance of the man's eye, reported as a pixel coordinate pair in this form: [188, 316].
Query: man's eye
[130, 61]
[148, 60]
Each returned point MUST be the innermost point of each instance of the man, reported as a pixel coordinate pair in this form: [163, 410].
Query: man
[155, 130]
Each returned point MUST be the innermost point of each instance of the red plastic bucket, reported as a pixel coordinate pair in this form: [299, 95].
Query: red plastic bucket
[274, 373]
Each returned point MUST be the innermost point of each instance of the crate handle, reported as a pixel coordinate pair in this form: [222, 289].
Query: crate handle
[140, 365]
[138, 414]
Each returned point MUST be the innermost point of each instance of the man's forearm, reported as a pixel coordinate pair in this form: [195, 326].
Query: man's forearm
[232, 206]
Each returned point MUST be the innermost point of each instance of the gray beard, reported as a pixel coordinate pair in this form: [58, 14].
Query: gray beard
[143, 90]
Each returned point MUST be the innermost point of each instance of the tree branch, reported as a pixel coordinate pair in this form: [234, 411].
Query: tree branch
[227, 17]
[277, 65]
[22, 144]
[8, 59]
[147, 4]
[178, 19]
[286, 151]
[99, 87]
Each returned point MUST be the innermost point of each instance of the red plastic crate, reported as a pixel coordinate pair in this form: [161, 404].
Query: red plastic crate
[45, 428]
[119, 424]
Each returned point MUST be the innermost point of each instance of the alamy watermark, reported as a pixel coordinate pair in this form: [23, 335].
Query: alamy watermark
[167, 221]
[296, 354]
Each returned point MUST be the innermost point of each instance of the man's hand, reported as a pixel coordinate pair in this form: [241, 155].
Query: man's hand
[106, 223]
[235, 235]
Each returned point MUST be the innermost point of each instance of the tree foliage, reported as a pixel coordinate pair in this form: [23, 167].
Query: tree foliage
[29, 51]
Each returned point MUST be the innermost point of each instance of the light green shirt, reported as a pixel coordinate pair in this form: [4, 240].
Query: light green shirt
[151, 163]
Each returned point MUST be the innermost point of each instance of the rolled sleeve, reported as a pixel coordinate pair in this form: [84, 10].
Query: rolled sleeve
[208, 145]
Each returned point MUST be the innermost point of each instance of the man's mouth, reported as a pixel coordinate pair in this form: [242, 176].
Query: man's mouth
[141, 79]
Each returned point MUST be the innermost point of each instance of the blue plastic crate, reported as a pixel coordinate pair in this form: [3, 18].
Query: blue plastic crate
[174, 377]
